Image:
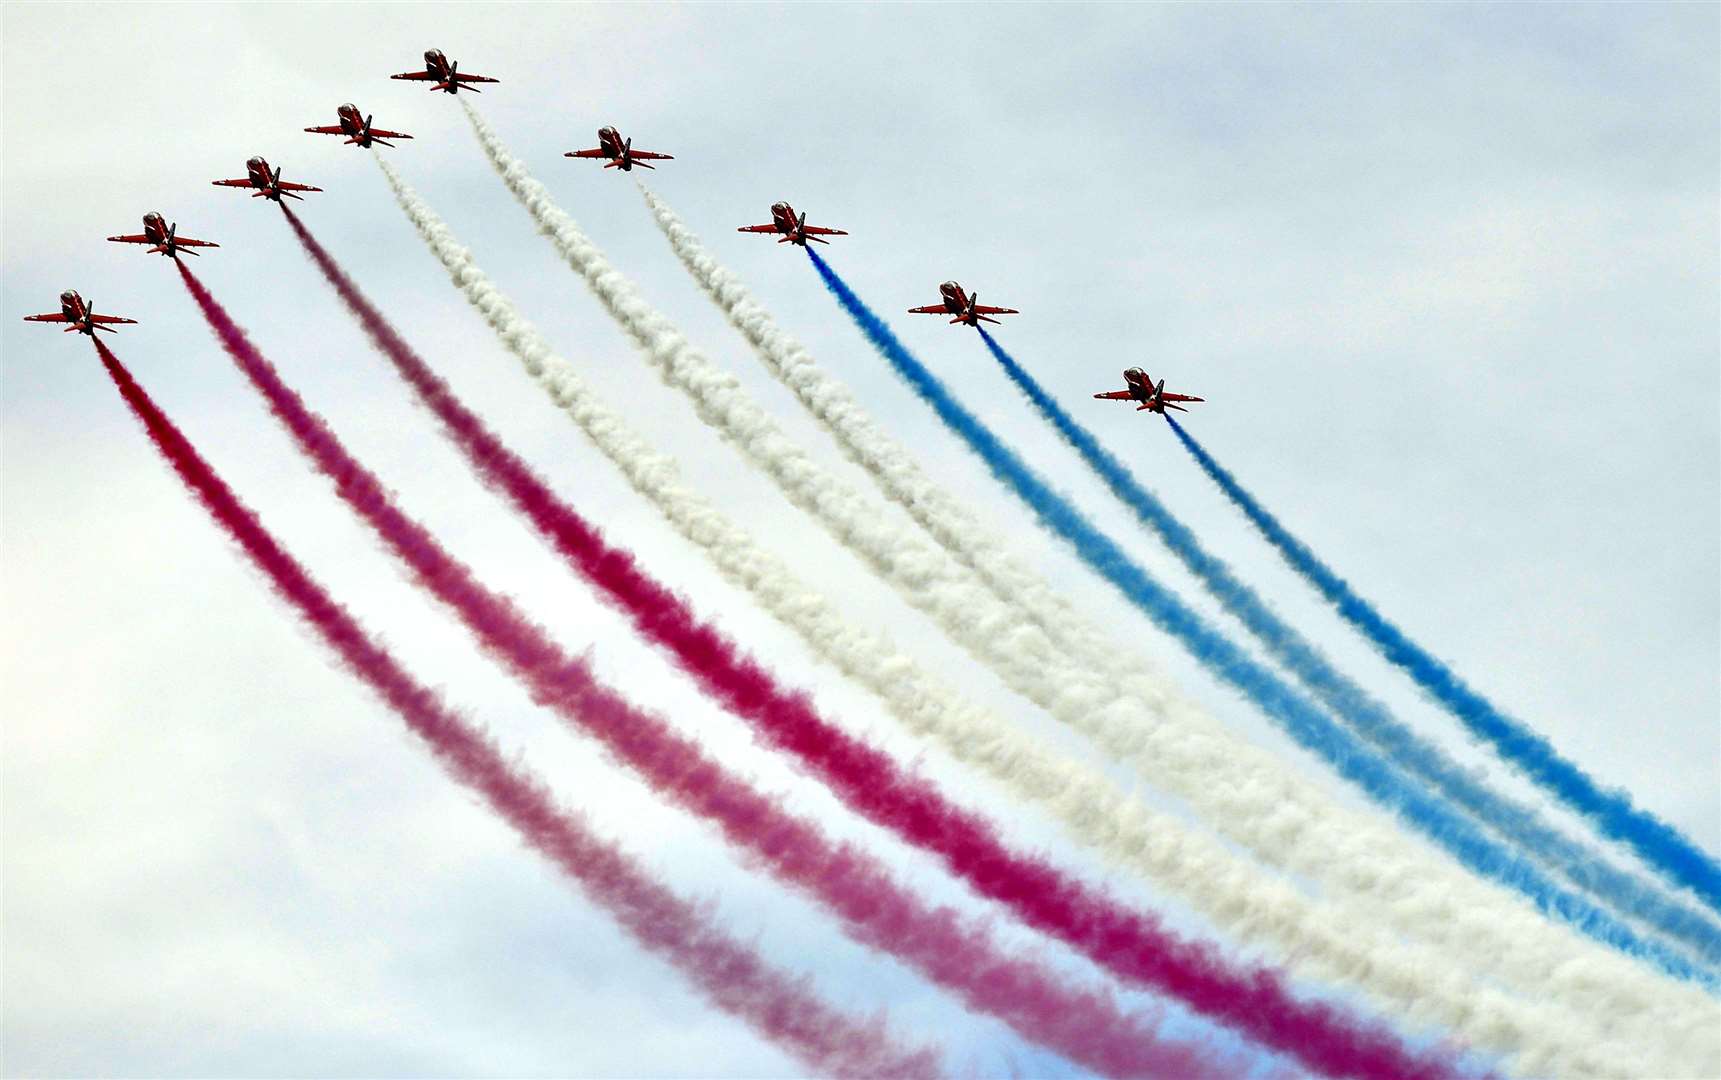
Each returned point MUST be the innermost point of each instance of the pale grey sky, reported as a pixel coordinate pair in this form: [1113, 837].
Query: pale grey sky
[1446, 276]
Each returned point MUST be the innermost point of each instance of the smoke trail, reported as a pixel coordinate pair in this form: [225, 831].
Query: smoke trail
[1243, 899]
[1308, 724]
[1368, 717]
[877, 911]
[864, 443]
[1133, 946]
[899, 477]
[1658, 843]
[779, 1006]
[1491, 931]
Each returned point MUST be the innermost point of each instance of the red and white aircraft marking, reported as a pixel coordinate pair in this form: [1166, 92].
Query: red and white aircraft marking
[79, 316]
[357, 129]
[445, 75]
[966, 309]
[269, 185]
[1153, 397]
[620, 152]
[795, 230]
[158, 232]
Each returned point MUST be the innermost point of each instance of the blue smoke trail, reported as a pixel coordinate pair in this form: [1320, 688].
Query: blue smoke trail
[1519, 824]
[1659, 844]
[1301, 718]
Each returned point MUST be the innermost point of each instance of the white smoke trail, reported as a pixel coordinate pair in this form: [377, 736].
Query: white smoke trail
[1252, 797]
[897, 474]
[1363, 863]
[1256, 906]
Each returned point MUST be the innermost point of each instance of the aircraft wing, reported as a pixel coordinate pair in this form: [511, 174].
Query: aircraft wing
[1168, 396]
[57, 316]
[416, 76]
[982, 309]
[759, 228]
[379, 133]
[930, 309]
[134, 238]
[651, 156]
[103, 319]
[181, 241]
[814, 230]
[332, 129]
[461, 77]
[1115, 395]
[587, 153]
[234, 183]
[288, 185]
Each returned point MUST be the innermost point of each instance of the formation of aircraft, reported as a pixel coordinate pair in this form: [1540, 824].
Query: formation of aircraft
[163, 237]
[269, 185]
[445, 75]
[795, 230]
[1152, 395]
[357, 130]
[620, 152]
[966, 309]
[77, 313]
[617, 153]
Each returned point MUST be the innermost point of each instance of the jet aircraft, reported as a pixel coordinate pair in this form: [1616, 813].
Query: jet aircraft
[269, 185]
[621, 153]
[358, 131]
[1143, 389]
[446, 75]
[795, 230]
[79, 316]
[158, 232]
[967, 309]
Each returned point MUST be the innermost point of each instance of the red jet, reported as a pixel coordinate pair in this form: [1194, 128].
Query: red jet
[795, 230]
[269, 185]
[80, 315]
[446, 75]
[358, 132]
[967, 309]
[621, 154]
[1143, 389]
[158, 232]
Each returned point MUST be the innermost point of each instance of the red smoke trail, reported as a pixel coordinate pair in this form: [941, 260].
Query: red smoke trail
[1130, 944]
[779, 1006]
[1087, 1027]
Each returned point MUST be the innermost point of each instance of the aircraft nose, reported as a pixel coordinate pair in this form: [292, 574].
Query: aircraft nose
[781, 207]
[68, 296]
[432, 55]
[257, 161]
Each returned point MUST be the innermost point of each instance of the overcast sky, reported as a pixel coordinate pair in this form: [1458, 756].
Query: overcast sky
[1446, 276]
